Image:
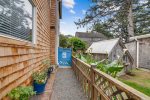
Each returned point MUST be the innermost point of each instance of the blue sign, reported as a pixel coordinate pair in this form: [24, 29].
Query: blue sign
[64, 56]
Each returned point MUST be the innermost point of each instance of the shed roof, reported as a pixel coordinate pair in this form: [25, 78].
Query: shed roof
[103, 47]
[89, 35]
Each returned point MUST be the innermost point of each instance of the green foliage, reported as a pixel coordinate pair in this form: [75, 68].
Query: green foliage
[21, 93]
[111, 68]
[46, 64]
[40, 77]
[88, 58]
[76, 44]
[63, 41]
[111, 16]
[102, 28]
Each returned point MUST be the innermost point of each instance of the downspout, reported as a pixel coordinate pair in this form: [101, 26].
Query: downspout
[57, 31]
[137, 54]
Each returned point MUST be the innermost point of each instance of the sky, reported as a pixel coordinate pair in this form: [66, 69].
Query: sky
[72, 10]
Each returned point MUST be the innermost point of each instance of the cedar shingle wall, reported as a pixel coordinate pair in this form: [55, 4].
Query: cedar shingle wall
[19, 59]
[53, 31]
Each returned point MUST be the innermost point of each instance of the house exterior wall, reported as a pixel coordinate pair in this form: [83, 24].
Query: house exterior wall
[116, 52]
[19, 59]
[100, 56]
[54, 26]
[144, 52]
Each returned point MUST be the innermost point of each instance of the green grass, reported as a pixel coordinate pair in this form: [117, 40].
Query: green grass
[145, 90]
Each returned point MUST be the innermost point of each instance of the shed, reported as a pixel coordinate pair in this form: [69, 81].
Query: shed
[112, 49]
[139, 47]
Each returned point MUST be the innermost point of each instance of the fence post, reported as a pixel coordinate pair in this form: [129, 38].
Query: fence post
[93, 66]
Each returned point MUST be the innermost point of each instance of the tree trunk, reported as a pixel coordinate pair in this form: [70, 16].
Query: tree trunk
[130, 19]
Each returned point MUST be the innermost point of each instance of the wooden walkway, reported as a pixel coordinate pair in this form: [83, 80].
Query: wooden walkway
[67, 87]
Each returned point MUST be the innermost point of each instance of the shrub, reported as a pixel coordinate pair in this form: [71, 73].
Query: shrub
[111, 68]
[76, 44]
[21, 93]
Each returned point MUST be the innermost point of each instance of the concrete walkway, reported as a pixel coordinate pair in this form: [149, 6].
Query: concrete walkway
[67, 87]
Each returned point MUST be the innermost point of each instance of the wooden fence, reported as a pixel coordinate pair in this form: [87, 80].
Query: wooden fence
[98, 85]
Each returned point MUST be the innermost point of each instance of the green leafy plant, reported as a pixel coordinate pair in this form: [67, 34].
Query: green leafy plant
[40, 77]
[88, 58]
[46, 63]
[21, 93]
[76, 44]
[111, 68]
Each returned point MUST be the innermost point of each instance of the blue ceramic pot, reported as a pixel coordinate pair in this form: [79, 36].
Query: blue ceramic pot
[39, 88]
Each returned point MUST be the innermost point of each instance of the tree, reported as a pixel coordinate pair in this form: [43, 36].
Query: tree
[101, 28]
[76, 44]
[142, 17]
[63, 41]
[118, 16]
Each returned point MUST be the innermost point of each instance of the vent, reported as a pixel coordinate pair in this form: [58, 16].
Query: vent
[52, 27]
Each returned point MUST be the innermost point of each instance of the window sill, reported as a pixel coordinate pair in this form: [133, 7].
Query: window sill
[7, 40]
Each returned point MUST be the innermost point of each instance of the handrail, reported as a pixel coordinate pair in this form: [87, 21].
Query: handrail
[99, 85]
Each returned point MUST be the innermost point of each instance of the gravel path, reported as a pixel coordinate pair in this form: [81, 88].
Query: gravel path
[67, 87]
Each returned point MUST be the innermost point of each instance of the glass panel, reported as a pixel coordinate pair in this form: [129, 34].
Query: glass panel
[16, 18]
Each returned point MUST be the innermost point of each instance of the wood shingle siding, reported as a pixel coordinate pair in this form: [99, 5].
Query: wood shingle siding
[19, 59]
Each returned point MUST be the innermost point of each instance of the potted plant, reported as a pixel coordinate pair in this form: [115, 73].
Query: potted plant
[49, 68]
[21, 93]
[39, 81]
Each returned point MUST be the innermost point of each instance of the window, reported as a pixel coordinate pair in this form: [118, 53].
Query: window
[16, 18]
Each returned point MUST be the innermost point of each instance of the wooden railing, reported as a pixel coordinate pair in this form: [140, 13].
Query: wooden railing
[98, 85]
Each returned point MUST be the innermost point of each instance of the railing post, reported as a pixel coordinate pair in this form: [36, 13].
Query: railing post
[75, 67]
[93, 66]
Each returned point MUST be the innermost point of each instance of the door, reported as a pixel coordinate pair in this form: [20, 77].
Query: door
[64, 57]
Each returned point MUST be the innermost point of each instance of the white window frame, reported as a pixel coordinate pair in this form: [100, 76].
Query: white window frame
[33, 27]
[34, 23]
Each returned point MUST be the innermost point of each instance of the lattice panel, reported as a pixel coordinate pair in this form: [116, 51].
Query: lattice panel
[98, 85]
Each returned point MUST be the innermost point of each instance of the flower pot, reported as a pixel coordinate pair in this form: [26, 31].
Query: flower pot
[48, 73]
[51, 69]
[39, 88]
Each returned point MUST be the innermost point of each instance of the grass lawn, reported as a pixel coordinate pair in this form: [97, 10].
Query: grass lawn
[140, 80]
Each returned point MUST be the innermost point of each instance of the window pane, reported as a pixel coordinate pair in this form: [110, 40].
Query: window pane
[16, 18]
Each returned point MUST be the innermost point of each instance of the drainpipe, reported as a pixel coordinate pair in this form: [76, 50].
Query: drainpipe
[137, 50]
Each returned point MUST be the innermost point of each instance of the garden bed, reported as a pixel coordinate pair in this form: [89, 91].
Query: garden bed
[139, 79]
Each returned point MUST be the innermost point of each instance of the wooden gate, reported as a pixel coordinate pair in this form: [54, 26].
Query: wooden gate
[64, 57]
